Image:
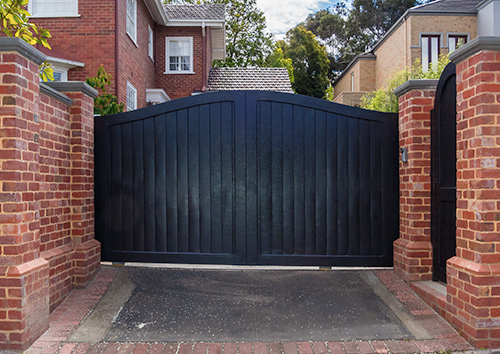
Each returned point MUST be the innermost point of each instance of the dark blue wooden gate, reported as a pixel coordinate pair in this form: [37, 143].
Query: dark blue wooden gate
[248, 177]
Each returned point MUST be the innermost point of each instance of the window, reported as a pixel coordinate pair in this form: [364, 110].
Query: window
[150, 42]
[179, 54]
[131, 97]
[53, 8]
[132, 19]
[430, 51]
[60, 75]
[352, 81]
[455, 42]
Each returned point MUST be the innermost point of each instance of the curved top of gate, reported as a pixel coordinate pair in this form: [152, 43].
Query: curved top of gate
[448, 73]
[246, 97]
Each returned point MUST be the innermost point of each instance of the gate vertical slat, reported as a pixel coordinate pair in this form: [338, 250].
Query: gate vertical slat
[321, 180]
[127, 229]
[205, 197]
[364, 188]
[115, 146]
[353, 194]
[227, 161]
[332, 191]
[216, 177]
[251, 179]
[277, 177]
[288, 180]
[182, 182]
[171, 161]
[160, 191]
[376, 193]
[343, 187]
[240, 175]
[194, 179]
[149, 185]
[138, 185]
[310, 181]
[265, 182]
[299, 180]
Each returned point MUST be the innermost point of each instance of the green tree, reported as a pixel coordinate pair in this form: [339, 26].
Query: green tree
[14, 22]
[277, 60]
[385, 100]
[247, 41]
[349, 31]
[105, 103]
[309, 60]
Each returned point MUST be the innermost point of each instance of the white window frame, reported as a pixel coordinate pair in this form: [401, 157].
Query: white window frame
[41, 11]
[131, 97]
[151, 43]
[167, 56]
[131, 25]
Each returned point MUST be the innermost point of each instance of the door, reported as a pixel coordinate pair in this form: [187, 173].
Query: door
[443, 173]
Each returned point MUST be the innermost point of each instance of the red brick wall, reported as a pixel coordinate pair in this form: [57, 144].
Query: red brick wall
[474, 274]
[413, 250]
[54, 196]
[47, 241]
[135, 64]
[89, 39]
[179, 85]
[23, 275]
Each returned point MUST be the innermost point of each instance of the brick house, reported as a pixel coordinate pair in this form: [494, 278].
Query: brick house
[154, 52]
[424, 32]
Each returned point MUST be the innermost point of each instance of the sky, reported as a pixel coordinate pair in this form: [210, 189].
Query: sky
[282, 15]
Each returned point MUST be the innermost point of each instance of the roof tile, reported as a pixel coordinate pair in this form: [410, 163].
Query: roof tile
[196, 12]
[262, 79]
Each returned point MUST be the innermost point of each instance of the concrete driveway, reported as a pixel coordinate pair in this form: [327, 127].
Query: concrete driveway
[248, 310]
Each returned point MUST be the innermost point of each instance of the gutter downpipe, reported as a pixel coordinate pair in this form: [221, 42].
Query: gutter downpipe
[204, 58]
[117, 52]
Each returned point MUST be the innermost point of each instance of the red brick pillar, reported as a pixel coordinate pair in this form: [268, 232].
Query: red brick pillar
[413, 249]
[24, 276]
[87, 254]
[474, 274]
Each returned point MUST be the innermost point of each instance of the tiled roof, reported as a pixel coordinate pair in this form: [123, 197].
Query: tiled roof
[452, 6]
[196, 12]
[262, 79]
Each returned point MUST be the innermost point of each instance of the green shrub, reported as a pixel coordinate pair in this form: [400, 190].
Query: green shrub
[105, 103]
[385, 100]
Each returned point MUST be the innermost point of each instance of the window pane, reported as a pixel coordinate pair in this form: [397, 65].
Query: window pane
[57, 76]
[452, 44]
[174, 63]
[54, 7]
[131, 18]
[425, 54]
[434, 50]
[185, 63]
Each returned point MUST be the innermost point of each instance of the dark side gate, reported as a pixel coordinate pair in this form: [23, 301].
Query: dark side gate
[248, 177]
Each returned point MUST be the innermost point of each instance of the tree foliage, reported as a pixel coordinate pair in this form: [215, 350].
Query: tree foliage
[350, 30]
[385, 100]
[14, 22]
[277, 59]
[105, 103]
[247, 41]
[309, 61]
